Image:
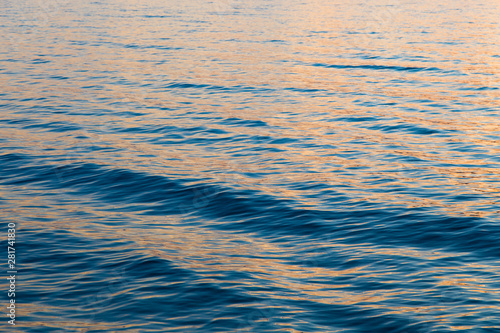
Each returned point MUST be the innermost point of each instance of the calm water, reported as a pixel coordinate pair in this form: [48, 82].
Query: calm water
[252, 165]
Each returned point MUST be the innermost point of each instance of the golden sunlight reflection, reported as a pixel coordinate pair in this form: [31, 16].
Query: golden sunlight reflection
[297, 157]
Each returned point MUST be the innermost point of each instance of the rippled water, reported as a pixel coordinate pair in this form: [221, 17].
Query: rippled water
[252, 166]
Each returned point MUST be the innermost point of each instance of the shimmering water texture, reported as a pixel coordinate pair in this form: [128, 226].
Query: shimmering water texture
[252, 165]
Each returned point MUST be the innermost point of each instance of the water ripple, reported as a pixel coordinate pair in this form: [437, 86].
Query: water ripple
[252, 167]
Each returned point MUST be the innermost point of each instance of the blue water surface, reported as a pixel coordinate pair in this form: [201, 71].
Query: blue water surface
[252, 166]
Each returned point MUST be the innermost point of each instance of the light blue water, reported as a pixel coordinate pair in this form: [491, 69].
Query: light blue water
[252, 166]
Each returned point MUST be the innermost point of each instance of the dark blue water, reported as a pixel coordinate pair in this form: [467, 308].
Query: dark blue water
[252, 166]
